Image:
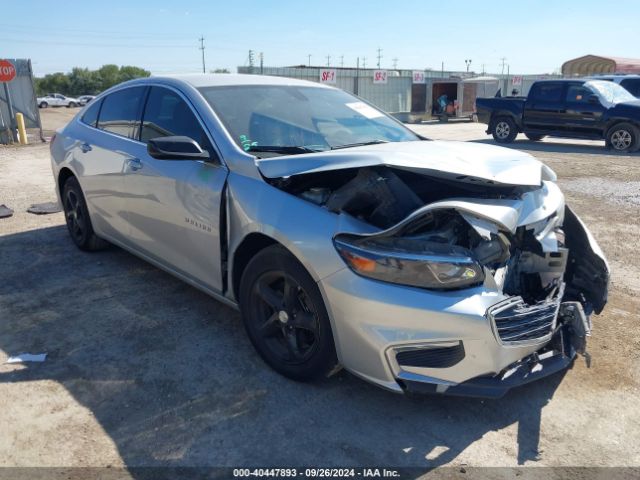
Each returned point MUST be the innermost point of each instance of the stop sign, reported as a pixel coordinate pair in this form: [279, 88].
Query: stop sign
[7, 71]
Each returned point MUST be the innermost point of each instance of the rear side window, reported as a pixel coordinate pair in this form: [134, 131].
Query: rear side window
[167, 114]
[90, 117]
[546, 92]
[632, 85]
[120, 113]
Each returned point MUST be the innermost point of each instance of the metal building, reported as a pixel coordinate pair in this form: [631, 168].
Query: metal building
[594, 64]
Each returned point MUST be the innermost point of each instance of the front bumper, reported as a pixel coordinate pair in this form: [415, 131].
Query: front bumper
[374, 322]
[536, 366]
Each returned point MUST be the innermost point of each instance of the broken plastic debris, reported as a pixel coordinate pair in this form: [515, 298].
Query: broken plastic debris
[5, 212]
[44, 208]
[27, 357]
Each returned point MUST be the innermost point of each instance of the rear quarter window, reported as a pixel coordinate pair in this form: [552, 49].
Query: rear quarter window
[90, 116]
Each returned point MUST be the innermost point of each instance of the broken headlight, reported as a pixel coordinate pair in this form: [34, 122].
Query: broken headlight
[411, 262]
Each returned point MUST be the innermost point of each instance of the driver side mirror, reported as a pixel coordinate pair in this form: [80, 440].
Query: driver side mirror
[593, 98]
[176, 148]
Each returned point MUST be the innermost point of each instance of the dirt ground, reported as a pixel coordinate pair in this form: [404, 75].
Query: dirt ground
[144, 370]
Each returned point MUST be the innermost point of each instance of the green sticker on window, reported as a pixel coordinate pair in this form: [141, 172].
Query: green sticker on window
[247, 143]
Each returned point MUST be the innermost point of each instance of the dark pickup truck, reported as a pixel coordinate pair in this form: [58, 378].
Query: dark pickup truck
[591, 109]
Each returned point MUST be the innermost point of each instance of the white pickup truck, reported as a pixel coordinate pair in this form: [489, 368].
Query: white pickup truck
[57, 100]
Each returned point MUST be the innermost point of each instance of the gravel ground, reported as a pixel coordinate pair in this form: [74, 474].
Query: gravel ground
[143, 370]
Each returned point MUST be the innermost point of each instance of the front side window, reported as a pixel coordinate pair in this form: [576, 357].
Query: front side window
[167, 114]
[120, 113]
[294, 119]
[547, 92]
[578, 94]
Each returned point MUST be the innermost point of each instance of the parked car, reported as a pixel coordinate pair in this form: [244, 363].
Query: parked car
[57, 100]
[631, 83]
[84, 99]
[341, 236]
[591, 109]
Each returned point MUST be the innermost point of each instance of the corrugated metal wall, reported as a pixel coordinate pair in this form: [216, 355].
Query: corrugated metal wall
[23, 97]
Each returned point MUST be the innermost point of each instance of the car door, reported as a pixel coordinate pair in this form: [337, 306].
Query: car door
[173, 206]
[104, 148]
[544, 106]
[59, 100]
[582, 114]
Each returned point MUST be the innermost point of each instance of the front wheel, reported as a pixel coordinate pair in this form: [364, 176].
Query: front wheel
[43, 105]
[504, 130]
[285, 317]
[72, 105]
[623, 137]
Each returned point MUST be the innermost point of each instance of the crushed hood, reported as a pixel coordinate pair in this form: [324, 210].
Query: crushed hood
[461, 161]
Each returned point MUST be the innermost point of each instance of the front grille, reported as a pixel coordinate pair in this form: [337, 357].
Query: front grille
[429, 357]
[516, 322]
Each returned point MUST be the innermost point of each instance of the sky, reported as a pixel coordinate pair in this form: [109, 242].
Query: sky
[162, 36]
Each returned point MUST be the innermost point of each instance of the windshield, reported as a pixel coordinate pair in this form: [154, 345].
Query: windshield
[610, 92]
[284, 119]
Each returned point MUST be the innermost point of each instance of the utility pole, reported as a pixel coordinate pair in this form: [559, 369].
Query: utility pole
[328, 60]
[395, 63]
[341, 61]
[468, 64]
[379, 56]
[503, 59]
[483, 69]
[364, 62]
[204, 70]
[251, 61]
[357, 79]
[261, 62]
[309, 57]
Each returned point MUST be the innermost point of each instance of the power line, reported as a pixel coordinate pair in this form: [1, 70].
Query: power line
[204, 70]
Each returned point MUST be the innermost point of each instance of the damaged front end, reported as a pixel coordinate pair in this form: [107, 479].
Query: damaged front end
[444, 233]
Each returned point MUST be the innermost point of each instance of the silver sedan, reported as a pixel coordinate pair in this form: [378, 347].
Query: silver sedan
[343, 238]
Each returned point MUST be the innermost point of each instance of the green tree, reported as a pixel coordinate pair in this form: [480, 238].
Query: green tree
[82, 81]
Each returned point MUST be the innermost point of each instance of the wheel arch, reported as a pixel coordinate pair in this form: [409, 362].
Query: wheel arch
[505, 113]
[249, 247]
[64, 175]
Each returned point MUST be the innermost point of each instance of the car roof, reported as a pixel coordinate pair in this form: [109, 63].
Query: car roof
[233, 79]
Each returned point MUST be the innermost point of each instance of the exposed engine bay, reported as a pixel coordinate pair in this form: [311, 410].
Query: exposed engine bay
[542, 263]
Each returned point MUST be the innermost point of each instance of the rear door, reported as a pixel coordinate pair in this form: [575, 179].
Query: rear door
[544, 107]
[582, 116]
[105, 146]
[173, 206]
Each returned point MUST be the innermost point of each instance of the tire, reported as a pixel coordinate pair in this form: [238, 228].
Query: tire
[623, 137]
[534, 137]
[43, 105]
[77, 217]
[504, 130]
[285, 316]
[72, 105]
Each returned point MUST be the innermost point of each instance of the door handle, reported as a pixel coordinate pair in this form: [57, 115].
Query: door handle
[85, 147]
[134, 164]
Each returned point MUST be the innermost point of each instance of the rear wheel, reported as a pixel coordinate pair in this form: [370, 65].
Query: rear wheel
[534, 137]
[72, 105]
[623, 137]
[504, 130]
[43, 105]
[285, 317]
[77, 217]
